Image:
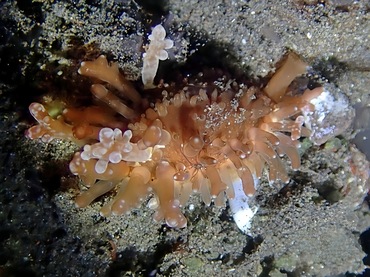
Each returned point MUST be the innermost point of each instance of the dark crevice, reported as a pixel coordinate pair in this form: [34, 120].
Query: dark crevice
[142, 263]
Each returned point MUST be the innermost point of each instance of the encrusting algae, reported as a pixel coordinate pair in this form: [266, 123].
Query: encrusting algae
[204, 139]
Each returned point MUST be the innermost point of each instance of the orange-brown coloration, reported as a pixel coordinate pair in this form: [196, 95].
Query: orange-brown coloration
[191, 142]
[78, 125]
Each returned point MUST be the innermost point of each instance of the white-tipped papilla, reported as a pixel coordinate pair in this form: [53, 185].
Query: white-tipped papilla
[241, 210]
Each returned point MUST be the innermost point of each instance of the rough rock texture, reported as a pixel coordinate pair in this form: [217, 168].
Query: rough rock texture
[310, 227]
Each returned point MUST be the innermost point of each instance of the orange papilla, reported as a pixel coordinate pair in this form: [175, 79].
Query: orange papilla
[86, 131]
[134, 191]
[94, 115]
[86, 170]
[109, 72]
